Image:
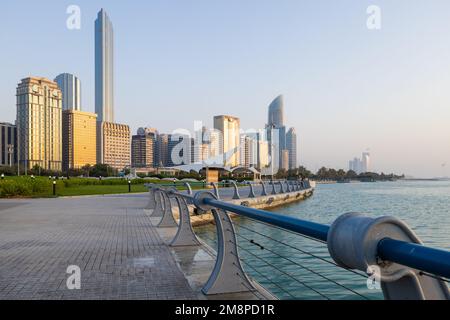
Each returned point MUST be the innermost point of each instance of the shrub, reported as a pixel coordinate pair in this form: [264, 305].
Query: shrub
[15, 188]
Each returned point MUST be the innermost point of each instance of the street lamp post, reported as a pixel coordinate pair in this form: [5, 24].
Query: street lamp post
[129, 185]
[54, 187]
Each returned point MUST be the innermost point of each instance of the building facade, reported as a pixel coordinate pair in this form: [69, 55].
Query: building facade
[143, 147]
[162, 151]
[104, 68]
[39, 112]
[71, 91]
[113, 145]
[230, 128]
[79, 139]
[291, 146]
[285, 159]
[8, 144]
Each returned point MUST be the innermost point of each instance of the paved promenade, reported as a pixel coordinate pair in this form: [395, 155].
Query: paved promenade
[111, 239]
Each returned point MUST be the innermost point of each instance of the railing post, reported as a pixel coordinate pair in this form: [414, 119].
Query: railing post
[264, 191]
[274, 190]
[167, 220]
[297, 185]
[228, 275]
[282, 188]
[216, 189]
[236, 190]
[288, 186]
[185, 235]
[353, 241]
[151, 198]
[252, 192]
[188, 187]
[159, 206]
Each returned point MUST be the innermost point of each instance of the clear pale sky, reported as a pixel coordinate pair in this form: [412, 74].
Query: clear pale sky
[346, 88]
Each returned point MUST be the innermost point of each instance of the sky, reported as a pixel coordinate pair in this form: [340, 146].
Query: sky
[347, 89]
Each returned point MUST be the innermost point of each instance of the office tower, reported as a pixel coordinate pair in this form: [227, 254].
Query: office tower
[263, 161]
[285, 159]
[248, 151]
[143, 146]
[162, 150]
[113, 145]
[39, 103]
[291, 146]
[104, 68]
[71, 91]
[229, 127]
[276, 132]
[365, 162]
[179, 150]
[356, 165]
[276, 112]
[8, 144]
[79, 139]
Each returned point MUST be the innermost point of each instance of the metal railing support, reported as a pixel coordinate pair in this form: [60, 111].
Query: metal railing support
[216, 189]
[274, 190]
[185, 235]
[282, 187]
[264, 191]
[297, 185]
[252, 191]
[167, 220]
[151, 199]
[354, 242]
[236, 190]
[228, 275]
[159, 206]
[288, 186]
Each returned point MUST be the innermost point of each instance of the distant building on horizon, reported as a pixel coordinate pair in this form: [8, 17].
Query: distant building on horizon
[113, 145]
[8, 144]
[104, 68]
[79, 139]
[39, 122]
[276, 132]
[291, 146]
[143, 148]
[70, 87]
[229, 126]
[360, 165]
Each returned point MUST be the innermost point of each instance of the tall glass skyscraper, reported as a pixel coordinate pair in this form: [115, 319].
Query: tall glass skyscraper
[104, 68]
[276, 132]
[291, 146]
[276, 112]
[71, 91]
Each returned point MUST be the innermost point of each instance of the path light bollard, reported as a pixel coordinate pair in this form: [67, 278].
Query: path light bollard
[263, 192]
[167, 220]
[356, 241]
[185, 235]
[3, 176]
[236, 194]
[228, 275]
[252, 191]
[274, 190]
[54, 187]
[129, 185]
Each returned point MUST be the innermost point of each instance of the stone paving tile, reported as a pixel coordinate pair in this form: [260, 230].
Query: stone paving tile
[110, 238]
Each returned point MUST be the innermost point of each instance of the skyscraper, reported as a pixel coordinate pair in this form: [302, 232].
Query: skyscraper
[143, 148]
[229, 127]
[291, 146]
[79, 139]
[104, 68]
[39, 112]
[113, 145]
[276, 132]
[71, 91]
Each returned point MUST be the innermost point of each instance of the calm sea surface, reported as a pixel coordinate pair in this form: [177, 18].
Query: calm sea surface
[293, 274]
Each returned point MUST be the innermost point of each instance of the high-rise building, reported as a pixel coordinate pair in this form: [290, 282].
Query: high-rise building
[8, 144]
[71, 91]
[79, 139]
[285, 159]
[162, 151]
[276, 132]
[291, 146]
[365, 162]
[104, 68]
[113, 145]
[360, 165]
[39, 103]
[276, 112]
[230, 128]
[179, 150]
[143, 147]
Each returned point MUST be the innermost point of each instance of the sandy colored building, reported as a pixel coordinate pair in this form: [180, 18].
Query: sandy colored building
[79, 139]
[39, 111]
[229, 126]
[113, 145]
